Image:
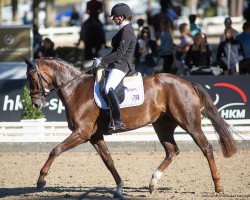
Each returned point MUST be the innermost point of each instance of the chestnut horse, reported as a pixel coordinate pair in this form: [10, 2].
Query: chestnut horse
[170, 101]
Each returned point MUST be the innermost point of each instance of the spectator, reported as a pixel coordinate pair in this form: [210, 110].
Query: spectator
[194, 28]
[75, 17]
[228, 24]
[170, 10]
[155, 20]
[145, 53]
[92, 32]
[94, 8]
[199, 54]
[244, 38]
[185, 42]
[150, 24]
[166, 49]
[140, 23]
[47, 50]
[229, 53]
[37, 41]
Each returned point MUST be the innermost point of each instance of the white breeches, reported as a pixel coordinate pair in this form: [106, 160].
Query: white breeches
[114, 78]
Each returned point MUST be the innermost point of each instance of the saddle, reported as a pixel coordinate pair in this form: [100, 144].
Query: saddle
[119, 90]
[129, 92]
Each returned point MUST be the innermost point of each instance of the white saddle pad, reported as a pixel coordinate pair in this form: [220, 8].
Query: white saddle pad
[134, 93]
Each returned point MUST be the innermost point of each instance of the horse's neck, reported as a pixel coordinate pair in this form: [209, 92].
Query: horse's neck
[66, 80]
[79, 85]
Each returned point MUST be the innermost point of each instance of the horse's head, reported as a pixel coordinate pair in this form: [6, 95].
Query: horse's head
[37, 83]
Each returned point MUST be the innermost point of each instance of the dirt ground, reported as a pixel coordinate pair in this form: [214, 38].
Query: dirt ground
[82, 175]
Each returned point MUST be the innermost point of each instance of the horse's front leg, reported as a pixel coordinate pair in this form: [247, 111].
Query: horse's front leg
[102, 149]
[70, 142]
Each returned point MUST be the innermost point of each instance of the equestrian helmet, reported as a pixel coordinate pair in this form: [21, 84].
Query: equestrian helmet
[121, 9]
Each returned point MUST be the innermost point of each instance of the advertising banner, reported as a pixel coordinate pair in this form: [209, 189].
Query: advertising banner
[15, 40]
[231, 95]
[10, 101]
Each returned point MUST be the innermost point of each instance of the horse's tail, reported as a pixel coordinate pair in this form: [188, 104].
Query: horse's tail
[222, 128]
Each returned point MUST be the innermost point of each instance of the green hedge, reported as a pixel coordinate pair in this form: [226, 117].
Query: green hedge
[71, 55]
[28, 111]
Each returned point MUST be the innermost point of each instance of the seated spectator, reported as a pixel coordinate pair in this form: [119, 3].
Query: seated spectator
[194, 28]
[145, 53]
[199, 54]
[229, 53]
[244, 38]
[47, 49]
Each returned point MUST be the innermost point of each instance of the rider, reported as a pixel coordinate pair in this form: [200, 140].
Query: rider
[120, 60]
[92, 32]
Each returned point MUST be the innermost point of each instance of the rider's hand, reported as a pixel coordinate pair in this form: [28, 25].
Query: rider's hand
[97, 62]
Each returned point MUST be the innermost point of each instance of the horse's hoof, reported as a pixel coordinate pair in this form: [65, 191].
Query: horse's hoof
[219, 190]
[120, 186]
[118, 195]
[41, 184]
[219, 187]
[151, 188]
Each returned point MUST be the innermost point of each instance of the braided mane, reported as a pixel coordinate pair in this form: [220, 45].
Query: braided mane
[64, 66]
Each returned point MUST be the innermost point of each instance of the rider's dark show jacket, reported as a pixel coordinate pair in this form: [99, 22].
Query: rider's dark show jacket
[123, 46]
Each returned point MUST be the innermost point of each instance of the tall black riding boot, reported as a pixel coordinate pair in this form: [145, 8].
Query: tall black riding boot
[117, 123]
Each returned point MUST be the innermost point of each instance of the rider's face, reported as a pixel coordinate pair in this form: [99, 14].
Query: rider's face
[118, 19]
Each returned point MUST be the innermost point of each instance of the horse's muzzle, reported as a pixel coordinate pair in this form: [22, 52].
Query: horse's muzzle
[40, 103]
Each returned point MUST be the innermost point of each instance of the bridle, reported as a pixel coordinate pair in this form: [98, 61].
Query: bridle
[42, 90]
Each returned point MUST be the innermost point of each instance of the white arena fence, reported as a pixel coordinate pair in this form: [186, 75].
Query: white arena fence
[58, 131]
[212, 26]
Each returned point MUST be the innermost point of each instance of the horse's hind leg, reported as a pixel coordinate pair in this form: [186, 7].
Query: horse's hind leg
[102, 149]
[207, 150]
[190, 120]
[164, 130]
[72, 141]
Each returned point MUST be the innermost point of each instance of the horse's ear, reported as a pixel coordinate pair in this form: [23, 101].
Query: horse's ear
[26, 60]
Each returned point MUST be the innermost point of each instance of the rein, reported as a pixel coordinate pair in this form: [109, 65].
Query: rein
[65, 84]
